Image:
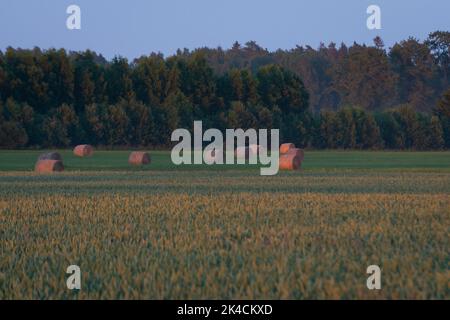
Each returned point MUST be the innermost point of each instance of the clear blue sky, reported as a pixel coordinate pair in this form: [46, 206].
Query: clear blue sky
[134, 27]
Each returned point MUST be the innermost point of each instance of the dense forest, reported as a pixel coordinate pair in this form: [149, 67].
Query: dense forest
[356, 97]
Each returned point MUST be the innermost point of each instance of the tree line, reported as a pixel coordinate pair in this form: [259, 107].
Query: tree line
[357, 97]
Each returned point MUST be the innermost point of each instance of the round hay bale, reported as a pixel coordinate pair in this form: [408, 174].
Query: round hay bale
[285, 147]
[83, 150]
[290, 162]
[47, 166]
[50, 156]
[139, 158]
[298, 152]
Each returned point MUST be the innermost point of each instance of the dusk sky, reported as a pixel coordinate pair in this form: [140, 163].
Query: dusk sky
[134, 27]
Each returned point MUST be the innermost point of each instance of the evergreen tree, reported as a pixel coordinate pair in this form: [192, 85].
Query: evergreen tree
[282, 88]
[151, 79]
[56, 99]
[119, 84]
[439, 45]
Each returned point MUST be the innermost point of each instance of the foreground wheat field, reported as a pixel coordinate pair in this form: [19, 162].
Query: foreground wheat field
[227, 234]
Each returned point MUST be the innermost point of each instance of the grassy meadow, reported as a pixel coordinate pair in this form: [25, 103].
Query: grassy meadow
[194, 232]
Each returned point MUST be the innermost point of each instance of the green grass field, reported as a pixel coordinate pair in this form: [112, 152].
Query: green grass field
[314, 160]
[166, 231]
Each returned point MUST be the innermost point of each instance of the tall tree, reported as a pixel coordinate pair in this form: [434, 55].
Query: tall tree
[439, 44]
[89, 78]
[442, 111]
[62, 128]
[58, 75]
[413, 63]
[436, 134]
[282, 88]
[364, 77]
[152, 80]
[119, 84]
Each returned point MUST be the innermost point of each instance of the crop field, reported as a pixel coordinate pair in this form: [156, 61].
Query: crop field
[225, 232]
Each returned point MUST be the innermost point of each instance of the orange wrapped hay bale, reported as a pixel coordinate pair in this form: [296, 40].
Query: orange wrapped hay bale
[298, 152]
[285, 147]
[46, 166]
[50, 156]
[83, 150]
[139, 158]
[290, 161]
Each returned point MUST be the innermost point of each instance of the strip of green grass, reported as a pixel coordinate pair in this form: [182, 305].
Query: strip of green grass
[15, 160]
